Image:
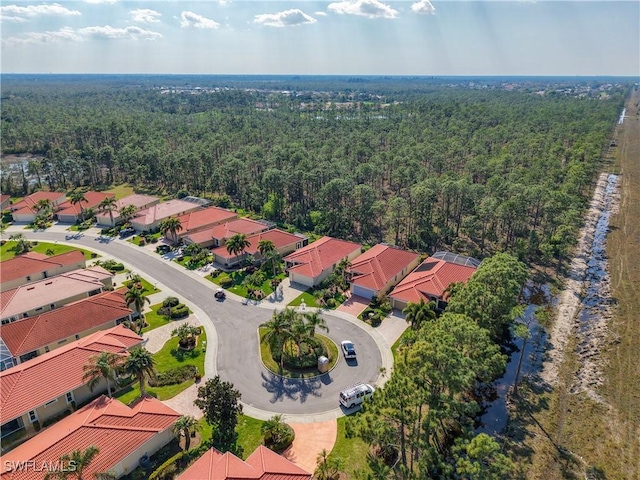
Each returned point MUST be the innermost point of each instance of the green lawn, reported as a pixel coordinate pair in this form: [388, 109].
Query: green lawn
[6, 251]
[136, 239]
[146, 286]
[154, 319]
[248, 429]
[122, 190]
[272, 365]
[167, 358]
[352, 451]
[309, 300]
[238, 277]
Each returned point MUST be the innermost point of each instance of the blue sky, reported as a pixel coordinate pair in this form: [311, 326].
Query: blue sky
[376, 37]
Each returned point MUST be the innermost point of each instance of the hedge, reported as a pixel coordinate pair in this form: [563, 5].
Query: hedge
[168, 469]
[174, 376]
[180, 311]
[224, 280]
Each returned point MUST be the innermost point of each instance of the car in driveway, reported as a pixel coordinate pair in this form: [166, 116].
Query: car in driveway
[348, 349]
[127, 232]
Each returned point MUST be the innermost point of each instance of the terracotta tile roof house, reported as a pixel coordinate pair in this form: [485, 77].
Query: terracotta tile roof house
[138, 200]
[262, 464]
[24, 211]
[217, 235]
[149, 219]
[202, 219]
[379, 269]
[71, 213]
[38, 335]
[122, 435]
[312, 264]
[45, 386]
[33, 266]
[284, 243]
[5, 202]
[44, 295]
[430, 280]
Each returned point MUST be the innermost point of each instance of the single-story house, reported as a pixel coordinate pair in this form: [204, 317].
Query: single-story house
[262, 464]
[139, 201]
[122, 435]
[5, 202]
[218, 235]
[310, 265]
[284, 243]
[38, 297]
[431, 279]
[33, 266]
[148, 220]
[41, 334]
[379, 269]
[71, 213]
[24, 211]
[45, 386]
[201, 220]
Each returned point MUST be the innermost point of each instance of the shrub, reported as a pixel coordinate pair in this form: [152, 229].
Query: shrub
[180, 311]
[154, 240]
[331, 302]
[224, 280]
[280, 442]
[174, 376]
[171, 302]
[168, 469]
[142, 242]
[312, 349]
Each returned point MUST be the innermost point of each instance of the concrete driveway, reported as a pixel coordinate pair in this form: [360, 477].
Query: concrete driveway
[235, 354]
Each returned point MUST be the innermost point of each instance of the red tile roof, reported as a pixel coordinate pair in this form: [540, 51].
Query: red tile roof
[316, 257]
[31, 384]
[106, 423]
[279, 238]
[35, 332]
[27, 204]
[93, 200]
[33, 262]
[4, 198]
[229, 229]
[431, 278]
[205, 217]
[262, 464]
[379, 265]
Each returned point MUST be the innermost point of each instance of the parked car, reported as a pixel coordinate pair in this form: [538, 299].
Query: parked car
[127, 232]
[355, 395]
[220, 295]
[348, 349]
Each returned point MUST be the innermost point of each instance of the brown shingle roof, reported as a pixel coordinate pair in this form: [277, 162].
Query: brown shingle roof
[378, 265]
[35, 332]
[106, 423]
[31, 384]
[313, 259]
[33, 262]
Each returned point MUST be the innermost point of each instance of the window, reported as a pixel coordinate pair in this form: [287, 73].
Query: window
[77, 337]
[39, 309]
[50, 402]
[52, 306]
[46, 349]
[298, 245]
[33, 416]
[70, 397]
[5, 321]
[28, 356]
[25, 315]
[28, 278]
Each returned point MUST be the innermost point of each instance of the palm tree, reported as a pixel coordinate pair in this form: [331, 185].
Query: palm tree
[140, 364]
[74, 463]
[22, 244]
[103, 365]
[185, 332]
[313, 320]
[76, 198]
[299, 333]
[109, 204]
[186, 425]
[135, 296]
[277, 330]
[418, 313]
[275, 431]
[328, 468]
[127, 213]
[172, 226]
[265, 246]
[237, 244]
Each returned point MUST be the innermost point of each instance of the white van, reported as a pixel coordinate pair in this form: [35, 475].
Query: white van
[355, 395]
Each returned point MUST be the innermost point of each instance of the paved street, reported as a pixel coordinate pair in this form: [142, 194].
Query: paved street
[231, 326]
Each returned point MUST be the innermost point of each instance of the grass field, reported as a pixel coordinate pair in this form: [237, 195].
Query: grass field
[248, 430]
[351, 451]
[121, 191]
[6, 251]
[571, 436]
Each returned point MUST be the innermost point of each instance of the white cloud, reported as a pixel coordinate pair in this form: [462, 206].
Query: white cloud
[423, 7]
[190, 19]
[130, 33]
[286, 18]
[16, 13]
[65, 33]
[364, 8]
[110, 2]
[145, 15]
[320, 14]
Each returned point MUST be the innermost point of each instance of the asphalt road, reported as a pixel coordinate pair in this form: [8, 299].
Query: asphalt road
[236, 325]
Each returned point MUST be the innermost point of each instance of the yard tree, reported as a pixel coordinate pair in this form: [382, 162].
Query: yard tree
[220, 403]
[170, 226]
[108, 205]
[135, 296]
[77, 197]
[103, 365]
[278, 330]
[418, 313]
[314, 320]
[237, 244]
[185, 426]
[481, 459]
[141, 364]
[22, 244]
[74, 464]
[127, 213]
